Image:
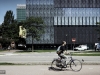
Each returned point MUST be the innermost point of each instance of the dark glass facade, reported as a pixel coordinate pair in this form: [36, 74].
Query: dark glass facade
[77, 18]
[77, 3]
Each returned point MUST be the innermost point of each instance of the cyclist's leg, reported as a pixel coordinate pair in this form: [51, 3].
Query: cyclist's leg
[63, 61]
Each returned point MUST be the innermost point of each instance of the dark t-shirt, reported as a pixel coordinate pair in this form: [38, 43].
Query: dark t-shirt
[62, 48]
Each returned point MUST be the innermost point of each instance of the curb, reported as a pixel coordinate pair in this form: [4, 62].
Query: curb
[44, 63]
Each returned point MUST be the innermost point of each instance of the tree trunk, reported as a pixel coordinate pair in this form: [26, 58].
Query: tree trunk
[32, 44]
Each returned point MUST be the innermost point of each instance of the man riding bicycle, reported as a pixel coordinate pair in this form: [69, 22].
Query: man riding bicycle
[61, 52]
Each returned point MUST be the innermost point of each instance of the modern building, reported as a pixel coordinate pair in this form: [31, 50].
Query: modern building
[21, 12]
[66, 20]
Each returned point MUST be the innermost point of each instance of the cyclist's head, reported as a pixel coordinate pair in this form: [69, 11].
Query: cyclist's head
[64, 42]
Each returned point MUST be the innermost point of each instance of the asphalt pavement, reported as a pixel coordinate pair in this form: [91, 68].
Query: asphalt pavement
[41, 58]
[43, 70]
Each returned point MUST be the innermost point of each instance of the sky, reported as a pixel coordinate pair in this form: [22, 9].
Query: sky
[6, 5]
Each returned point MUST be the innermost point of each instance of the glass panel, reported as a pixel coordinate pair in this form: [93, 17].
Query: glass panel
[73, 20]
[44, 2]
[94, 20]
[63, 21]
[90, 20]
[83, 20]
[80, 20]
[51, 2]
[98, 19]
[70, 20]
[59, 20]
[76, 20]
[66, 20]
[55, 20]
[87, 20]
[37, 2]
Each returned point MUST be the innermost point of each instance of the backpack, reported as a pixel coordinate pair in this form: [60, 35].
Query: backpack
[58, 50]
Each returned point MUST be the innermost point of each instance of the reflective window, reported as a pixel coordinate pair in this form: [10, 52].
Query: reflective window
[73, 21]
[83, 20]
[55, 20]
[64, 16]
[90, 20]
[98, 20]
[76, 20]
[87, 20]
[66, 20]
[70, 20]
[94, 20]
[59, 20]
[63, 20]
[80, 20]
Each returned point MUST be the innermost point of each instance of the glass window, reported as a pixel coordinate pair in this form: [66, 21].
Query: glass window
[83, 20]
[59, 20]
[99, 19]
[51, 2]
[80, 20]
[66, 20]
[55, 20]
[70, 20]
[63, 20]
[73, 20]
[94, 20]
[90, 20]
[87, 20]
[36, 2]
[76, 20]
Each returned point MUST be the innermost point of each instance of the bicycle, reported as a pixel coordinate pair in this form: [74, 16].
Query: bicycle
[75, 64]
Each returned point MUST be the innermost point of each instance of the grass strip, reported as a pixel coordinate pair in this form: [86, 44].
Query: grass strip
[29, 51]
[92, 54]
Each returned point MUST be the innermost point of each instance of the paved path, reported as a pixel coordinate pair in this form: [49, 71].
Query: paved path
[40, 58]
[43, 70]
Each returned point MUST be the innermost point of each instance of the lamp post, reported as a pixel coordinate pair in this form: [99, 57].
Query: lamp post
[66, 42]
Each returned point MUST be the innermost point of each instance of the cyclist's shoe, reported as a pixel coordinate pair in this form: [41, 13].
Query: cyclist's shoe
[64, 66]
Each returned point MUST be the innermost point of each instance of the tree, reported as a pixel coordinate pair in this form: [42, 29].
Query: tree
[35, 28]
[9, 27]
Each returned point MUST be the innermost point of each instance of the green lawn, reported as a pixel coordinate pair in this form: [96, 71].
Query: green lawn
[29, 51]
[86, 53]
[77, 53]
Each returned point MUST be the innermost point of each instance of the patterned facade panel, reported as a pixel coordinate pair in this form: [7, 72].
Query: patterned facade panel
[47, 38]
[77, 3]
[44, 9]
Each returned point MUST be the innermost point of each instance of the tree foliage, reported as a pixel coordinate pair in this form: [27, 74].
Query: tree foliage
[35, 27]
[9, 28]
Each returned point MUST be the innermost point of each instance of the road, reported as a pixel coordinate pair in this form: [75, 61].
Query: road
[43, 70]
[40, 58]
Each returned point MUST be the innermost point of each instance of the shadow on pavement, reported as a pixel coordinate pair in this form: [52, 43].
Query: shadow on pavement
[58, 69]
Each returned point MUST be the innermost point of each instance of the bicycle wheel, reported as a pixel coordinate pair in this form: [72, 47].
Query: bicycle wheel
[54, 65]
[76, 65]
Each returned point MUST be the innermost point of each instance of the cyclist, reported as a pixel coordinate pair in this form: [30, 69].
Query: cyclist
[61, 52]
